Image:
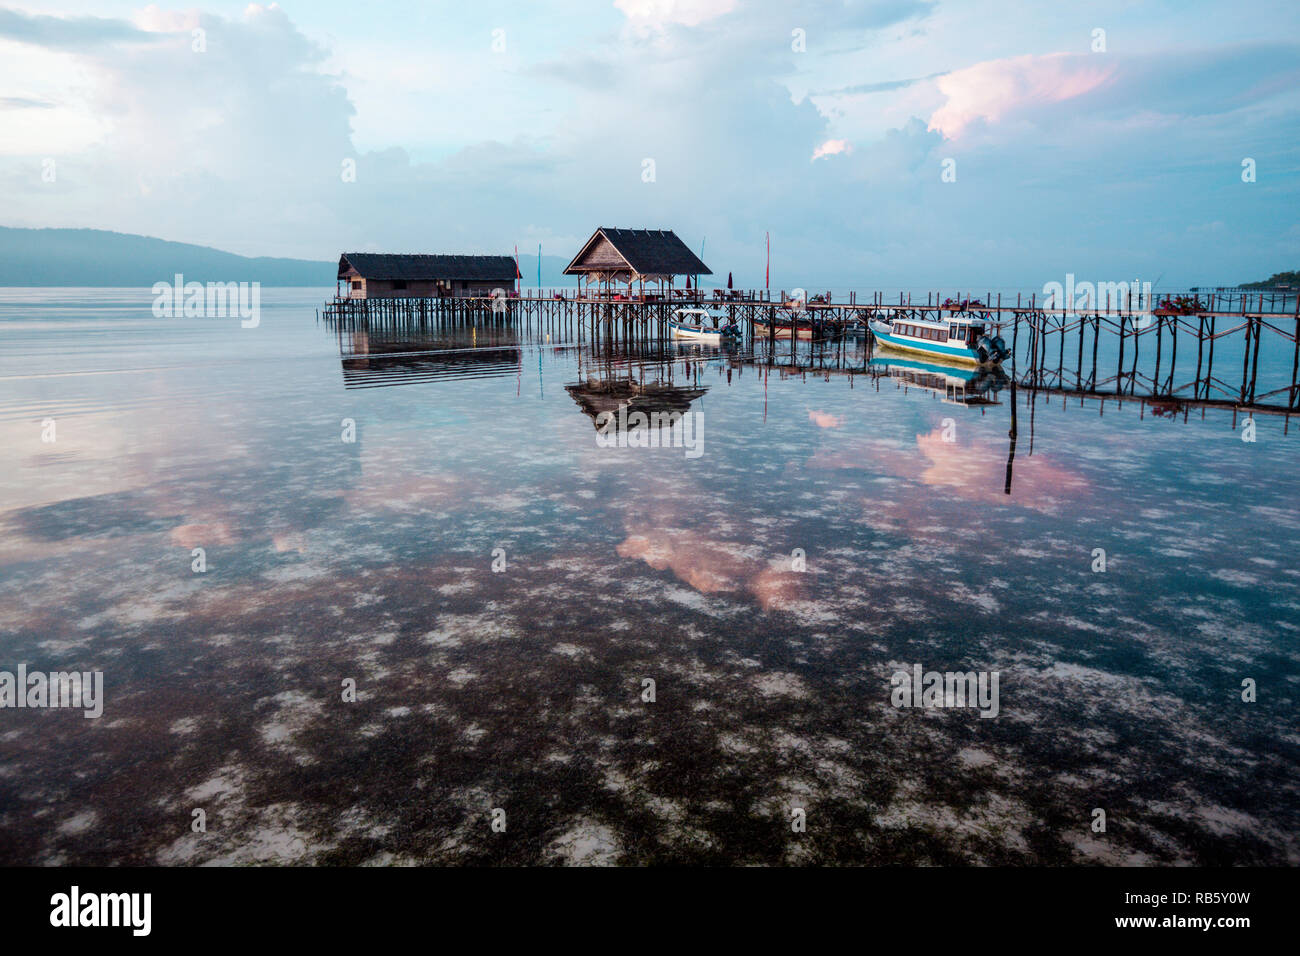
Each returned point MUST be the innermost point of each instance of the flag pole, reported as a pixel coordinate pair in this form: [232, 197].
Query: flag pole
[767, 269]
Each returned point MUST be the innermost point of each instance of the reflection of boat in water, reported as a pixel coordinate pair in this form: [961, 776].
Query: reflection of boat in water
[701, 325]
[619, 398]
[956, 339]
[960, 385]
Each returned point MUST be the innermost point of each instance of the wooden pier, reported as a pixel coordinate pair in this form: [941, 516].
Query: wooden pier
[1114, 349]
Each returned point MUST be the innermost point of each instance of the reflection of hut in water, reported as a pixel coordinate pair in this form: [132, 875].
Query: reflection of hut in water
[371, 359]
[621, 399]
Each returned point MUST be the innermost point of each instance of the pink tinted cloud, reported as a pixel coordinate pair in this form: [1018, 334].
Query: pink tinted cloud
[995, 89]
[832, 147]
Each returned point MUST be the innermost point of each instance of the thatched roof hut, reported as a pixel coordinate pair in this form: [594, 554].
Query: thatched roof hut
[630, 256]
[372, 275]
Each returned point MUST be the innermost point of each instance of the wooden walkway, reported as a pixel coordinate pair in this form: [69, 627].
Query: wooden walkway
[1114, 349]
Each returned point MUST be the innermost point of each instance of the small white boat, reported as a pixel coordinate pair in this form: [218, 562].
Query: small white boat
[961, 340]
[701, 325]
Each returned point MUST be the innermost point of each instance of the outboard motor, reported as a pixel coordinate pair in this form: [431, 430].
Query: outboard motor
[992, 348]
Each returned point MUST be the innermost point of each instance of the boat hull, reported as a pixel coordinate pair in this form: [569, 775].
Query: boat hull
[933, 350]
[690, 334]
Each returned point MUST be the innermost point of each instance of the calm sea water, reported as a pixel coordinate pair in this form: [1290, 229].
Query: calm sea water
[522, 689]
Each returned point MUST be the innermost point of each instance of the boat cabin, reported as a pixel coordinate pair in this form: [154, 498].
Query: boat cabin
[700, 318]
[966, 333]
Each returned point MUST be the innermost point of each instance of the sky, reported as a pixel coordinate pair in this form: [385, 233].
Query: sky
[882, 143]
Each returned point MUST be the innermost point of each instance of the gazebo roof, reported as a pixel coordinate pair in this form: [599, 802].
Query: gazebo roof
[644, 252]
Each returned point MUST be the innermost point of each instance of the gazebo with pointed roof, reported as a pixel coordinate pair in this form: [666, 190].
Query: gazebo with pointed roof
[635, 256]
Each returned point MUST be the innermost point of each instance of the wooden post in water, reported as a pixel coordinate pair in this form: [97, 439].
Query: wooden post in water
[1173, 353]
[1043, 341]
[1209, 359]
[1160, 328]
[1254, 362]
[1119, 369]
[1096, 339]
[1200, 348]
[1079, 368]
[1245, 359]
[1294, 397]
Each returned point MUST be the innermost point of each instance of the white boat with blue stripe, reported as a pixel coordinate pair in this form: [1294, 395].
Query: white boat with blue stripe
[701, 325]
[956, 339]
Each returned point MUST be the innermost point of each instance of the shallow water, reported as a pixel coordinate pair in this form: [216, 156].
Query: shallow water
[522, 689]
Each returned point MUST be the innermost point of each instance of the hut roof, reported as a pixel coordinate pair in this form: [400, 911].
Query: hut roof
[643, 252]
[373, 265]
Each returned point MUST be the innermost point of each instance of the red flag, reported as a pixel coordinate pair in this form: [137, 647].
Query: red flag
[767, 269]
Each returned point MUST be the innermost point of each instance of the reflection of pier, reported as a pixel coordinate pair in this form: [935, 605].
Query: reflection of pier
[374, 358]
[396, 349]
[1244, 346]
[405, 368]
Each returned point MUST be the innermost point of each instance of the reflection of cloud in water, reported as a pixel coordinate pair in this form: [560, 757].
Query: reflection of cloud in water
[824, 419]
[370, 560]
[709, 565]
[975, 472]
[980, 473]
[202, 535]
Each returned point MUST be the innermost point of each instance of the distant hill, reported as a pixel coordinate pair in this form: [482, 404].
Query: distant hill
[1289, 279]
[96, 257]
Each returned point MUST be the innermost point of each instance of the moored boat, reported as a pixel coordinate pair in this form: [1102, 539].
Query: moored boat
[763, 330]
[957, 339]
[805, 330]
[700, 325]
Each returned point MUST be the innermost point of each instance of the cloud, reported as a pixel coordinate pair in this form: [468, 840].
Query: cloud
[832, 147]
[688, 13]
[581, 71]
[68, 32]
[458, 149]
[995, 89]
[191, 144]
[884, 86]
[24, 103]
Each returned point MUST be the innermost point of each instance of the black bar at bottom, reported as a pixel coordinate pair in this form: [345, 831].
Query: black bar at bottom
[332, 906]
